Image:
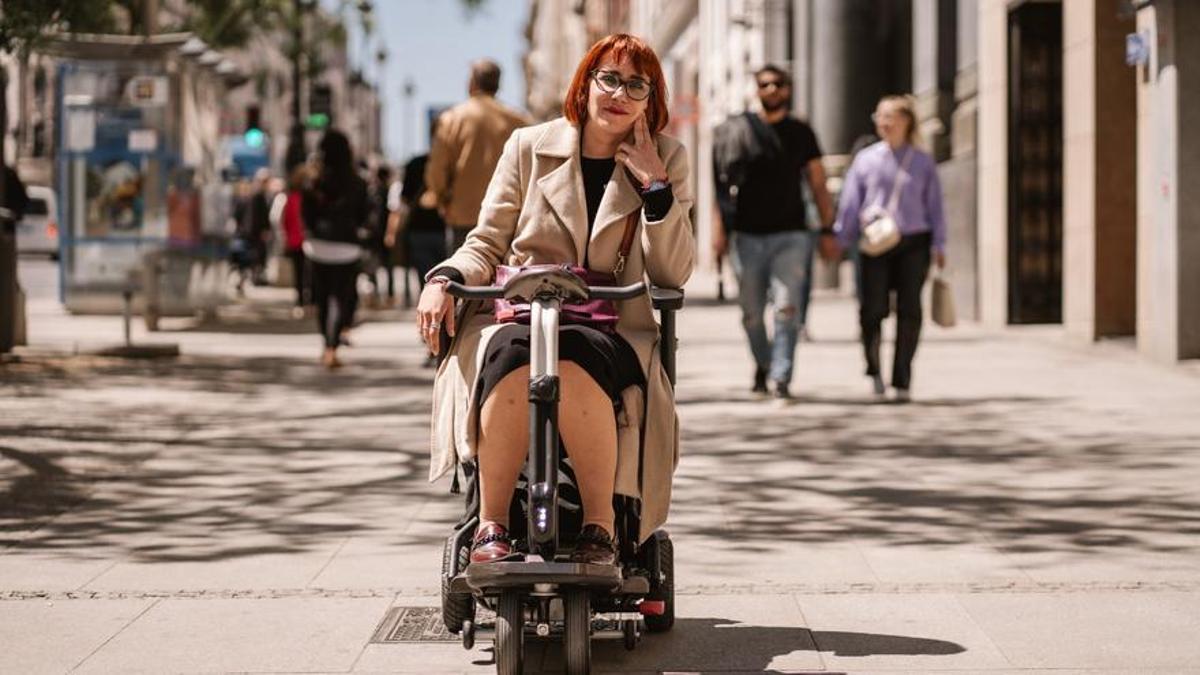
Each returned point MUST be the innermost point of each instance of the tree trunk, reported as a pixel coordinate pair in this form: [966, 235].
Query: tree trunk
[23, 112]
[8, 248]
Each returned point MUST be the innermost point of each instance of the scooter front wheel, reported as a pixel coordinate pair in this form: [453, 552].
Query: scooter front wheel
[510, 629]
[578, 611]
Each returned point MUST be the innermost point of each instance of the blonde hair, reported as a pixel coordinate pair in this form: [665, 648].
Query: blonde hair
[906, 104]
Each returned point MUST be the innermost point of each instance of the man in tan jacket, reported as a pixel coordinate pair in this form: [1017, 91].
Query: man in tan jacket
[466, 150]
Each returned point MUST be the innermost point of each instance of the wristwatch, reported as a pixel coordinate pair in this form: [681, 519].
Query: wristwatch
[828, 232]
[656, 184]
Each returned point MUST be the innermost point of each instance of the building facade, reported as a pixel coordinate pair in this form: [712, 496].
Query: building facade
[1063, 168]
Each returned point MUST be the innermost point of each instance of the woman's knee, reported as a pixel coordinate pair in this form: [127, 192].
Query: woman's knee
[506, 401]
[577, 382]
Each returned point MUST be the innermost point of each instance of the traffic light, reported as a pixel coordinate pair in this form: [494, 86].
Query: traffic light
[320, 106]
[254, 136]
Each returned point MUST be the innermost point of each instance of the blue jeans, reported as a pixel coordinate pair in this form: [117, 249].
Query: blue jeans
[773, 265]
[806, 287]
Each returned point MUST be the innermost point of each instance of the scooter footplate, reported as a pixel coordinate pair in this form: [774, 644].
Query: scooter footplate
[636, 585]
[498, 575]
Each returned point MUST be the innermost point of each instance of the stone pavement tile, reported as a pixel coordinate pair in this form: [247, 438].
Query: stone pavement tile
[963, 563]
[448, 657]
[899, 631]
[1108, 565]
[40, 636]
[1092, 630]
[368, 563]
[704, 562]
[240, 635]
[251, 572]
[1033, 671]
[40, 571]
[716, 633]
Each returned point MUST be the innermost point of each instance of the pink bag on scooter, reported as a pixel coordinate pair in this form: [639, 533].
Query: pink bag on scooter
[599, 314]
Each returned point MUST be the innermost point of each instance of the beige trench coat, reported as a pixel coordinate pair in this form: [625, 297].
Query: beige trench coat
[534, 212]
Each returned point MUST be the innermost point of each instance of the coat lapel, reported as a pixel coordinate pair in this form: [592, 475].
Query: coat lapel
[620, 199]
[563, 186]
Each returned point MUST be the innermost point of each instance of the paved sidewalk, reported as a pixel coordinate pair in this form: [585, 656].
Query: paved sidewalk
[241, 510]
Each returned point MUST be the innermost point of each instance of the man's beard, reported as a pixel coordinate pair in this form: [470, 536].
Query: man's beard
[780, 104]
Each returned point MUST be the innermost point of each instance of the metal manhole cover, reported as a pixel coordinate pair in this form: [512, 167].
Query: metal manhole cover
[413, 624]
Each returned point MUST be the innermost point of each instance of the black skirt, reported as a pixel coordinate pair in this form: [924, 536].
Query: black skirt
[606, 357]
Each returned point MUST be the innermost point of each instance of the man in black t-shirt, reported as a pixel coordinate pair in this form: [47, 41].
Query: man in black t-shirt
[759, 161]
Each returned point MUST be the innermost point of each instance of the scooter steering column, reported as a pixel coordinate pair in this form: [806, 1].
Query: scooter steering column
[544, 395]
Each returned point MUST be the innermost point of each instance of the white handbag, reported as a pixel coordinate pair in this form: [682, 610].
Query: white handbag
[880, 233]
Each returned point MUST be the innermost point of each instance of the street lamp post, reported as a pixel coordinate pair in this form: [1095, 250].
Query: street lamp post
[296, 152]
[409, 90]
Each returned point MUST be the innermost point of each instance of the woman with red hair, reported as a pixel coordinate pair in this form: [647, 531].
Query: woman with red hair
[563, 192]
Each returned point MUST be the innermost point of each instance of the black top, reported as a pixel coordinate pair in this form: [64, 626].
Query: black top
[253, 216]
[771, 199]
[335, 210]
[596, 173]
[419, 219]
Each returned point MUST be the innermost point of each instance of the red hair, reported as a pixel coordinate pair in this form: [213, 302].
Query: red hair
[643, 59]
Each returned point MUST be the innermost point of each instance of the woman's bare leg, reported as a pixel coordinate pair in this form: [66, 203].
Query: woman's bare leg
[589, 431]
[503, 444]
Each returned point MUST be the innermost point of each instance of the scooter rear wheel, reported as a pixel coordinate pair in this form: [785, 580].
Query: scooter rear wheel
[510, 638]
[578, 610]
[664, 589]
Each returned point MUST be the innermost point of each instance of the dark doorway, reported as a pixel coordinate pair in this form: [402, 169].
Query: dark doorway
[1035, 150]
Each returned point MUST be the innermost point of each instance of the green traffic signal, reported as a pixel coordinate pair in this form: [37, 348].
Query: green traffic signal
[255, 138]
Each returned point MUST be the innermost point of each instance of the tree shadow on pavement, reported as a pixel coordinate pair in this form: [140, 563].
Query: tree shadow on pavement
[212, 458]
[1017, 473]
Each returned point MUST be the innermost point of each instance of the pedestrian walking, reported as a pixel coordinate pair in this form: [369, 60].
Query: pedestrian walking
[892, 186]
[378, 248]
[422, 230]
[466, 148]
[257, 225]
[333, 211]
[292, 225]
[760, 160]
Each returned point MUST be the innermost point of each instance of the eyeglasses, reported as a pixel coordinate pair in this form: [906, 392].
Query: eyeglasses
[609, 82]
[769, 84]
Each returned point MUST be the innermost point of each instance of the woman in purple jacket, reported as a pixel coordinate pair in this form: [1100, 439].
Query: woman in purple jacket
[896, 166]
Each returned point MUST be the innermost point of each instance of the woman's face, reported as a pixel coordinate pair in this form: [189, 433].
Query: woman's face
[891, 124]
[612, 108]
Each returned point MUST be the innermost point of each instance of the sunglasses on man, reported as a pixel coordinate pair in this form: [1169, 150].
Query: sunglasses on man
[772, 84]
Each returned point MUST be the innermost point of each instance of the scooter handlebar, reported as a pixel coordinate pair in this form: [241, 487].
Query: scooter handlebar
[617, 292]
[474, 292]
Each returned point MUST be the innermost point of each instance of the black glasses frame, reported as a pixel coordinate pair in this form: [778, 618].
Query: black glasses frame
[622, 84]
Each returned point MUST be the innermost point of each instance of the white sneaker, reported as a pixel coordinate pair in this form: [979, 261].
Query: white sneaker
[902, 396]
[877, 386]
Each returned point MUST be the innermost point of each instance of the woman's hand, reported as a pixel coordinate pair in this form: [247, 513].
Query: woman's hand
[641, 158]
[435, 307]
[939, 259]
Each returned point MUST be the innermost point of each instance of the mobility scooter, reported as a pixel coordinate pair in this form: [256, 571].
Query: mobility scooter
[542, 594]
